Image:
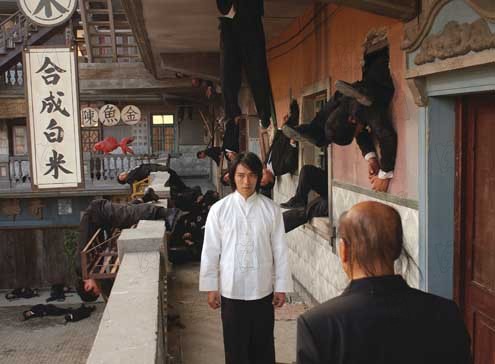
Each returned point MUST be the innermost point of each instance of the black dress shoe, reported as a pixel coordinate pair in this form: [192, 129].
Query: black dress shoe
[293, 203]
[349, 90]
[150, 195]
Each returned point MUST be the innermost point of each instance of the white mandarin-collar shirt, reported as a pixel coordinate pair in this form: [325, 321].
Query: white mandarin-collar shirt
[245, 254]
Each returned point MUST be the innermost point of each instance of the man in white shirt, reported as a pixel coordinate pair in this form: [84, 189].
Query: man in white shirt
[244, 265]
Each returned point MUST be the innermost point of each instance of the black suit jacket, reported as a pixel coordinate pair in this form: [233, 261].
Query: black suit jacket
[243, 8]
[283, 155]
[382, 320]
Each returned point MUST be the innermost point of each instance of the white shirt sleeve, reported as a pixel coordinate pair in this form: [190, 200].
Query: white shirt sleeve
[283, 277]
[385, 175]
[210, 256]
[370, 155]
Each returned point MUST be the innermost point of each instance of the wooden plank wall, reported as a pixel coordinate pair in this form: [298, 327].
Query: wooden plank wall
[33, 258]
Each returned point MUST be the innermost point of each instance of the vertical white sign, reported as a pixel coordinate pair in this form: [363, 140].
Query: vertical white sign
[54, 126]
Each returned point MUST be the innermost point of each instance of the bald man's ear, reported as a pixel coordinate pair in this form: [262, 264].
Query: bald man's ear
[343, 251]
[344, 255]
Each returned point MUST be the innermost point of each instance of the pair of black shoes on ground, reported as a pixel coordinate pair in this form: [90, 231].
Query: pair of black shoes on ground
[22, 293]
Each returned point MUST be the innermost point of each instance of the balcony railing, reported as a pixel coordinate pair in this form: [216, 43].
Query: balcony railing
[98, 169]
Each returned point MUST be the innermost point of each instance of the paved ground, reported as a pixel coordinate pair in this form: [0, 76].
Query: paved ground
[45, 340]
[197, 336]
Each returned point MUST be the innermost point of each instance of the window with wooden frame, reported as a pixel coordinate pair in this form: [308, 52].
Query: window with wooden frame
[89, 137]
[162, 133]
[311, 154]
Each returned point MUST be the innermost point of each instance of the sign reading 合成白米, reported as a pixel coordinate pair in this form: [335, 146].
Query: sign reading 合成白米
[53, 110]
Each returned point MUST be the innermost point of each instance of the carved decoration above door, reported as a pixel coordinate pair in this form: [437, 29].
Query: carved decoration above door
[456, 40]
[417, 29]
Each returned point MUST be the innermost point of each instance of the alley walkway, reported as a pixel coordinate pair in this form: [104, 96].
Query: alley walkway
[196, 337]
[45, 340]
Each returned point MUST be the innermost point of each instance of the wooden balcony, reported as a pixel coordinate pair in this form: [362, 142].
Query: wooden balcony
[100, 175]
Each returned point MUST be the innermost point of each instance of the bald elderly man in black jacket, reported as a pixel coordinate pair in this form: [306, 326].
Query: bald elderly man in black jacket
[379, 318]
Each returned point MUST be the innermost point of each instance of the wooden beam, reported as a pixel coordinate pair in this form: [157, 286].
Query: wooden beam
[134, 12]
[112, 30]
[84, 19]
[199, 64]
[404, 10]
[125, 73]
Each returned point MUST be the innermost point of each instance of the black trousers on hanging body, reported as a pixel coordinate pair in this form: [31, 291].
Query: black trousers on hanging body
[243, 46]
[248, 331]
[294, 218]
[311, 178]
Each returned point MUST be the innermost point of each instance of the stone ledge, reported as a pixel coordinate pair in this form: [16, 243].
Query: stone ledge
[149, 238]
[129, 329]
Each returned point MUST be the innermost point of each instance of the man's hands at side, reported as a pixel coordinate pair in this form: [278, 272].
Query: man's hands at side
[278, 299]
[214, 299]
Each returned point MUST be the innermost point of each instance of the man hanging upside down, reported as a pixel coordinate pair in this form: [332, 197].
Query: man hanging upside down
[359, 111]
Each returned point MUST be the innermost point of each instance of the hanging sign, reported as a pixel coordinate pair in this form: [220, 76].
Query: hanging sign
[131, 115]
[89, 117]
[48, 13]
[53, 110]
[109, 115]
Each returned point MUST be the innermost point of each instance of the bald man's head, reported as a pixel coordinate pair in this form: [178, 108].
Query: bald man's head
[373, 233]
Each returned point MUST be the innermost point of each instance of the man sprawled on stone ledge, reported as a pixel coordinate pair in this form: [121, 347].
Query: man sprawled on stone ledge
[108, 216]
[301, 211]
[360, 110]
[182, 196]
[142, 171]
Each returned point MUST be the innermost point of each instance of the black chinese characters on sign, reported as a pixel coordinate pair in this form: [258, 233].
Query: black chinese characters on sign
[51, 74]
[47, 6]
[55, 164]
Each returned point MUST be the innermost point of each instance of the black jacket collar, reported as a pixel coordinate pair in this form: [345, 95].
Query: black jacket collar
[376, 285]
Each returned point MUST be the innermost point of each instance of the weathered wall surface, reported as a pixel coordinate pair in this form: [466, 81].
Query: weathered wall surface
[34, 258]
[326, 44]
[322, 46]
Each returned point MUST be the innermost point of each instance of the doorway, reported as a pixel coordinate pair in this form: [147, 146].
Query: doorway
[474, 265]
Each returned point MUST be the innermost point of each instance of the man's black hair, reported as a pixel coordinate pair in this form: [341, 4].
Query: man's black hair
[252, 162]
[200, 152]
[83, 294]
[120, 181]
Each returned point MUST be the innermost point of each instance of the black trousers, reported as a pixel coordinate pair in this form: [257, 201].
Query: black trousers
[243, 45]
[231, 137]
[107, 215]
[294, 218]
[248, 331]
[311, 178]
